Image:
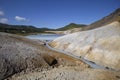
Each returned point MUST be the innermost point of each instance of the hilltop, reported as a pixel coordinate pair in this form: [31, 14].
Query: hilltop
[68, 28]
[71, 26]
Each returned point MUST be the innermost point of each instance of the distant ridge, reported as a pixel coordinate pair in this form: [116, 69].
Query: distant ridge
[21, 29]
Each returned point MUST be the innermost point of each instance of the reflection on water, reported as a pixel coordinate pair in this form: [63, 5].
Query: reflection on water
[44, 36]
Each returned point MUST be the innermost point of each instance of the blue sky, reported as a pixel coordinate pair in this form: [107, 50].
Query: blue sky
[55, 13]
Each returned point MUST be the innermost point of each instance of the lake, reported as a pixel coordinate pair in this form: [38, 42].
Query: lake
[44, 36]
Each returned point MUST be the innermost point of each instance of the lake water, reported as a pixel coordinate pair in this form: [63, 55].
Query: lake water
[44, 36]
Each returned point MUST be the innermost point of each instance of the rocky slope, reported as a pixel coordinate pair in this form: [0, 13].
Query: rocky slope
[101, 45]
[18, 54]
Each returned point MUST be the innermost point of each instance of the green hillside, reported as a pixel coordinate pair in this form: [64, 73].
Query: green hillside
[71, 26]
[21, 29]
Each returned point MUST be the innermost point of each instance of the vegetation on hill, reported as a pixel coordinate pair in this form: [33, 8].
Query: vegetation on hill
[21, 29]
[24, 29]
[71, 26]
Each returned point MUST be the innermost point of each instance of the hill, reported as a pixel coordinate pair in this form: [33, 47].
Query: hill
[21, 29]
[114, 16]
[100, 45]
[71, 26]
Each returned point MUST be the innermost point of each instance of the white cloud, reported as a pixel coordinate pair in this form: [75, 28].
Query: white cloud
[3, 20]
[20, 19]
[1, 13]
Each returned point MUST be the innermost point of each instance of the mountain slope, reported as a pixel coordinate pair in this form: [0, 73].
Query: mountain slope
[115, 16]
[101, 45]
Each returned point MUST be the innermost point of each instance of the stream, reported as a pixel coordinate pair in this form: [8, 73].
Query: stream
[93, 65]
[50, 37]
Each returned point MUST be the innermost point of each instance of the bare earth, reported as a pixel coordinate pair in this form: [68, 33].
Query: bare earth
[25, 59]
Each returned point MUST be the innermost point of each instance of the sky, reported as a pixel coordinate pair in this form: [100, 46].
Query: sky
[55, 13]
